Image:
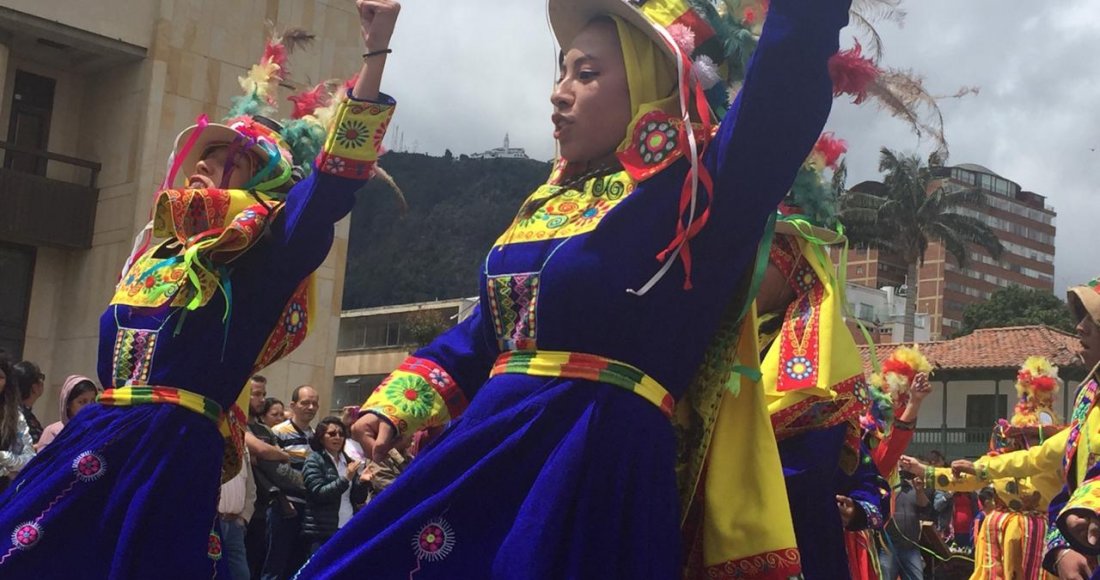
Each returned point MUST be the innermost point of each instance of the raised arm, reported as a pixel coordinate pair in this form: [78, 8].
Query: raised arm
[304, 229]
[782, 107]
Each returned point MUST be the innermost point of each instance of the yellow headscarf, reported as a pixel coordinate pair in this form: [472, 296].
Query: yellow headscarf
[650, 75]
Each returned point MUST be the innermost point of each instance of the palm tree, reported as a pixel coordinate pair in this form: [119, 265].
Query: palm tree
[909, 210]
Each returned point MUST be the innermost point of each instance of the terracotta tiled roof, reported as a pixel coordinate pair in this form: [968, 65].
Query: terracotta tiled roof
[993, 348]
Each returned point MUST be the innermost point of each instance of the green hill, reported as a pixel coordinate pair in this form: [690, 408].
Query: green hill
[457, 209]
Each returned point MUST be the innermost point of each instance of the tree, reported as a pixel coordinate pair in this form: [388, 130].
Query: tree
[424, 325]
[1017, 306]
[909, 210]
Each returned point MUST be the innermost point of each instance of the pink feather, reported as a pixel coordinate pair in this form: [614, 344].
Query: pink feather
[306, 102]
[831, 149]
[852, 73]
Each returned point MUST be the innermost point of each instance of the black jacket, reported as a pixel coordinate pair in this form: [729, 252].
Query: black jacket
[324, 486]
[274, 476]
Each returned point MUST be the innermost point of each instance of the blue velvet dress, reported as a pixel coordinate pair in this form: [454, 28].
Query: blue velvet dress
[811, 468]
[565, 477]
[131, 491]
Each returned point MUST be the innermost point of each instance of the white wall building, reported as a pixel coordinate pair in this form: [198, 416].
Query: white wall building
[882, 312]
[505, 152]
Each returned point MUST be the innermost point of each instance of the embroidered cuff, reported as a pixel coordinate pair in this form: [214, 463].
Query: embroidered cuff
[1055, 543]
[355, 138]
[872, 517]
[420, 393]
[1085, 500]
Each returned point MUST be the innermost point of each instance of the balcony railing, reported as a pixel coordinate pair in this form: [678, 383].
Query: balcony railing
[40, 211]
[954, 443]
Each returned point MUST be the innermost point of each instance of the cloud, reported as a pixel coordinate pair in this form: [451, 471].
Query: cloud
[467, 73]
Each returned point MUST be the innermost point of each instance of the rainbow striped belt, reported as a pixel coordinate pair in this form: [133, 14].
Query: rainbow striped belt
[142, 395]
[575, 365]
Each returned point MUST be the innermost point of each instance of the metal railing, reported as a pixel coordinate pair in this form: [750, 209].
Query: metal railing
[42, 211]
[954, 443]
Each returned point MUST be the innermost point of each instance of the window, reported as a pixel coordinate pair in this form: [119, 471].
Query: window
[371, 332]
[353, 390]
[982, 411]
[29, 121]
[866, 311]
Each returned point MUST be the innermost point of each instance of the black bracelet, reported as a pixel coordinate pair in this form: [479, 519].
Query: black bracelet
[367, 55]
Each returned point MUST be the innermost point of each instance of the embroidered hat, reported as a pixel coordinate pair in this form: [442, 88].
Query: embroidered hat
[1085, 301]
[256, 135]
[715, 41]
[249, 126]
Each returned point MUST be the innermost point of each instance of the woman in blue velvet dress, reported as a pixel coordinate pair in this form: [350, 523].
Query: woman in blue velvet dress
[129, 488]
[559, 460]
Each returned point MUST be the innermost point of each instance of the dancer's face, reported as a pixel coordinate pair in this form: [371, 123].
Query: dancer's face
[592, 97]
[217, 170]
[1089, 335]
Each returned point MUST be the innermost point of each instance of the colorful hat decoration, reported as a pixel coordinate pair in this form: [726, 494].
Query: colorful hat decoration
[889, 388]
[903, 365]
[249, 126]
[1036, 384]
[1084, 301]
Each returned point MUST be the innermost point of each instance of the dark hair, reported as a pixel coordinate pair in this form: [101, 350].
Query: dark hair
[986, 494]
[269, 403]
[9, 407]
[77, 390]
[936, 453]
[26, 375]
[258, 379]
[317, 441]
[296, 394]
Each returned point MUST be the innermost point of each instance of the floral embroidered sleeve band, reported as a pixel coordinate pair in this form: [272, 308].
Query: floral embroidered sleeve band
[420, 393]
[355, 138]
[1085, 501]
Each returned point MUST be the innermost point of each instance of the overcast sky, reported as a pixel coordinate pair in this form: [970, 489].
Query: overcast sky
[465, 73]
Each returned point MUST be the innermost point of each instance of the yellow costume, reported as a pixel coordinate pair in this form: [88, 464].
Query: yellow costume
[1011, 541]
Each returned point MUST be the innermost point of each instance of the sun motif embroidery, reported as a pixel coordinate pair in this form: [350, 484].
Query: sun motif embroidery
[295, 318]
[214, 546]
[657, 141]
[434, 541]
[89, 466]
[861, 393]
[352, 134]
[26, 536]
[595, 212]
[799, 368]
[411, 395]
[806, 278]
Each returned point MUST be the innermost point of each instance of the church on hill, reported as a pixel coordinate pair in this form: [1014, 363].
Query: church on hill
[505, 152]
